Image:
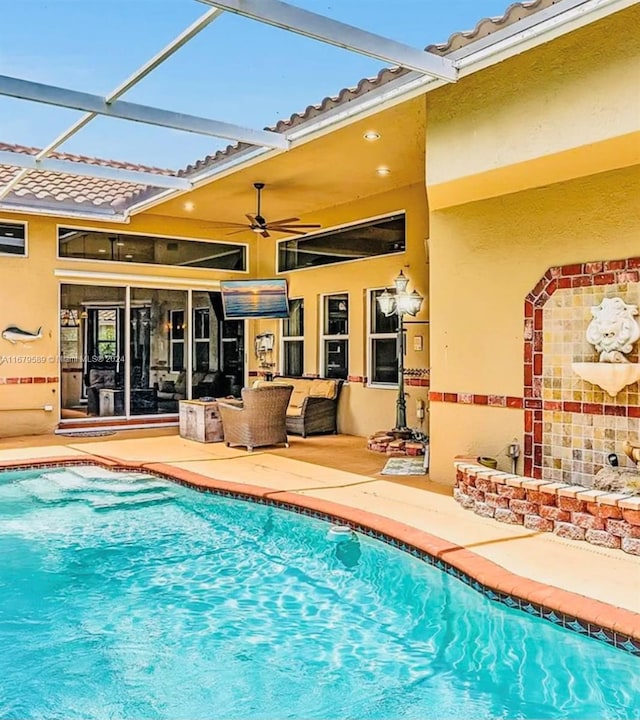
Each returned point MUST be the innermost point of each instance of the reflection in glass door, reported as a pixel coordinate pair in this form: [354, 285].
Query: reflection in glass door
[157, 351]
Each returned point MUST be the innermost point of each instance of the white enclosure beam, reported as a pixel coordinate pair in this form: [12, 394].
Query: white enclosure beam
[165, 53]
[319, 27]
[62, 97]
[30, 162]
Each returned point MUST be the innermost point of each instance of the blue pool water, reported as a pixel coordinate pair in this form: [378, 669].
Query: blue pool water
[125, 596]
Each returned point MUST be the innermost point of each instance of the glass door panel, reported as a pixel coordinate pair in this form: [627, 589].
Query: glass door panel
[207, 378]
[92, 351]
[157, 351]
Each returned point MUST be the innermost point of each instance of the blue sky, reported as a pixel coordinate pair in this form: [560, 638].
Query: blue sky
[237, 70]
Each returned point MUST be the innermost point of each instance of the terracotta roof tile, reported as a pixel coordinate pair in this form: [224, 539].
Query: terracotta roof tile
[486, 26]
[81, 190]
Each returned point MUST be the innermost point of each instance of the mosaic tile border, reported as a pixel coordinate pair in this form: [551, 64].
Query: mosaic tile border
[28, 380]
[518, 403]
[365, 523]
[462, 398]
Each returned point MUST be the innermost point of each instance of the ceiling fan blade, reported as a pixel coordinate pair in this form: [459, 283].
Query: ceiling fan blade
[242, 229]
[285, 225]
[264, 233]
[285, 221]
[251, 219]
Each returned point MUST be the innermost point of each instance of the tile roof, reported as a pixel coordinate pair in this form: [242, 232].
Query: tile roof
[49, 188]
[45, 188]
[515, 12]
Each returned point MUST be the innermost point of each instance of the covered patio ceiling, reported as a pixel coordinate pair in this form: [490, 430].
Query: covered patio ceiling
[315, 175]
[296, 164]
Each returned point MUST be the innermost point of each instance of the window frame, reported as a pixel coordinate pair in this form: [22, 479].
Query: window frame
[25, 226]
[371, 336]
[291, 338]
[336, 229]
[325, 338]
[180, 341]
[205, 341]
[127, 263]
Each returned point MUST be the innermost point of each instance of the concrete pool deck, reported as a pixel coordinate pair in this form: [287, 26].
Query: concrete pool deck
[339, 469]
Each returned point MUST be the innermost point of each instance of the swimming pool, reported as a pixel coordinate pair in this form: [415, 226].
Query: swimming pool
[128, 596]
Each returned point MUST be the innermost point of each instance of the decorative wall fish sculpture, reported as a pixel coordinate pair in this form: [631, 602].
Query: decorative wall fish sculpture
[15, 335]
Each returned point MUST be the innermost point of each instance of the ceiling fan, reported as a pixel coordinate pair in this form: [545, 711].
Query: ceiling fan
[260, 225]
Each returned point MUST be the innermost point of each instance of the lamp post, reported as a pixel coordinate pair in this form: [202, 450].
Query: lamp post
[398, 302]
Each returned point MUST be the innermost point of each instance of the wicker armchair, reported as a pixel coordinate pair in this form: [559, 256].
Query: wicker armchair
[259, 420]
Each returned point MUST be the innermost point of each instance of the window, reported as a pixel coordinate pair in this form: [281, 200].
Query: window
[112, 247]
[356, 242]
[13, 238]
[176, 340]
[335, 332]
[293, 340]
[383, 349]
[106, 344]
[201, 338]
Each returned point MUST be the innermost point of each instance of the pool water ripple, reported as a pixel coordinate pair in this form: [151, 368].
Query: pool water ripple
[130, 597]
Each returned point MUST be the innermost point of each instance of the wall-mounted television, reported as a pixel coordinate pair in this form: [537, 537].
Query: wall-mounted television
[254, 299]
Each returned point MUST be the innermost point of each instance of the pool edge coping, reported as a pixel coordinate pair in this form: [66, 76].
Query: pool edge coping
[603, 621]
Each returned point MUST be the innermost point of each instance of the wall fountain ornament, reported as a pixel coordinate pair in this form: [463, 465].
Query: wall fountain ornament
[613, 330]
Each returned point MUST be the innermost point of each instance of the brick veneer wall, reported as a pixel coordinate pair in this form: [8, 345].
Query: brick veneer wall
[572, 511]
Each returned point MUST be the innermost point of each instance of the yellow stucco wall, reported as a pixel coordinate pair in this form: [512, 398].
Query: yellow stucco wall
[484, 258]
[530, 163]
[564, 109]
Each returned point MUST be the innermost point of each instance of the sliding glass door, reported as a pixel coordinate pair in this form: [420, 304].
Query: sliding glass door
[133, 351]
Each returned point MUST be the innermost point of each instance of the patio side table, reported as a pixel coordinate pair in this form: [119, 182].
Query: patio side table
[200, 421]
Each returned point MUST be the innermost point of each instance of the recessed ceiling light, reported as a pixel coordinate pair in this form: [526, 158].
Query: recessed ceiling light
[383, 170]
[128, 257]
[189, 206]
[102, 250]
[120, 244]
[371, 135]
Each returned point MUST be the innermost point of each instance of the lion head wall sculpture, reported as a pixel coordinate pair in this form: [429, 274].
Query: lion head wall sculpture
[613, 329]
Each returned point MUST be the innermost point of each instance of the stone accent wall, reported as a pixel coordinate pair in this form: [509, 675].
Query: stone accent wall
[572, 511]
[556, 315]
